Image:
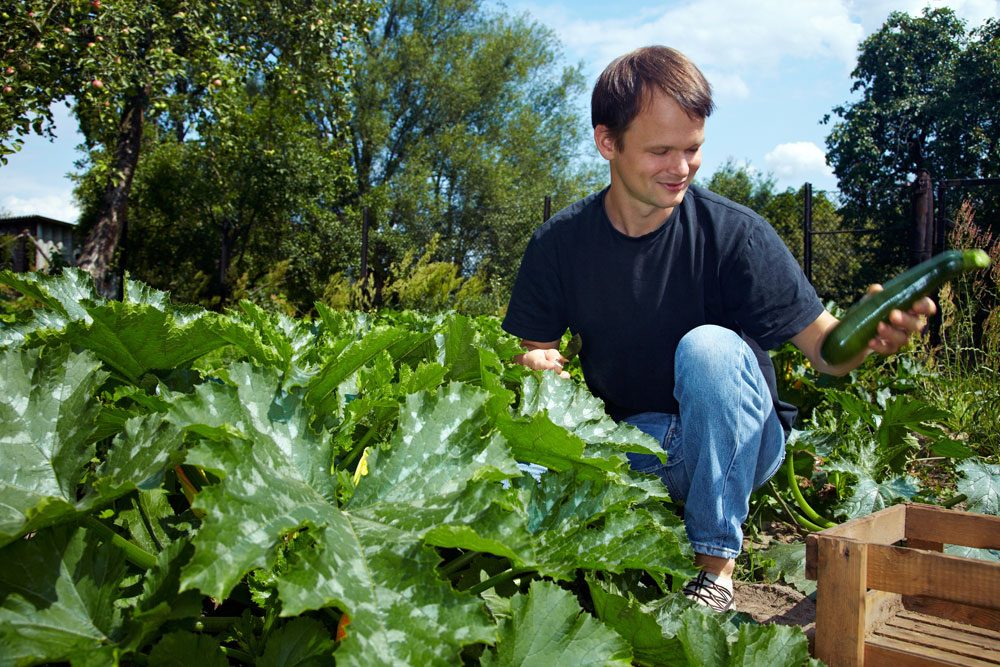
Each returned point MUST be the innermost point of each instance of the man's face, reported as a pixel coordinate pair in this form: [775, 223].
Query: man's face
[659, 156]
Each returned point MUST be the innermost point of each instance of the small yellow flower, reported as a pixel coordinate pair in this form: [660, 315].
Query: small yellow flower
[362, 468]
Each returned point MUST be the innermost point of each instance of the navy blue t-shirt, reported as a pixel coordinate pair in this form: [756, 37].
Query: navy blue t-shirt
[631, 299]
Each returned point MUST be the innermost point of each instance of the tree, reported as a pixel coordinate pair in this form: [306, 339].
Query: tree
[743, 185]
[246, 195]
[463, 120]
[928, 100]
[158, 58]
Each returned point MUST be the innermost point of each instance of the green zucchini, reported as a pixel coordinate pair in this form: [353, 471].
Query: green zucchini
[860, 323]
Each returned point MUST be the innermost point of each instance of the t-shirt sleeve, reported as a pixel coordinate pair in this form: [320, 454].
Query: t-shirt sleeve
[536, 310]
[767, 291]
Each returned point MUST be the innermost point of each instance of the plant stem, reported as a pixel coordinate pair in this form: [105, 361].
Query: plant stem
[135, 555]
[951, 502]
[360, 447]
[792, 514]
[146, 523]
[460, 562]
[189, 491]
[497, 579]
[237, 654]
[800, 500]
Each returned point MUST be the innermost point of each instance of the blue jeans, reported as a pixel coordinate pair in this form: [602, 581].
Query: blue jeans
[726, 442]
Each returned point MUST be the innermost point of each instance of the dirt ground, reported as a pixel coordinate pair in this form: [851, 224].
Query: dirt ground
[777, 603]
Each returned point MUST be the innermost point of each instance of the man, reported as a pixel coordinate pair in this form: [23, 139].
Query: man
[676, 294]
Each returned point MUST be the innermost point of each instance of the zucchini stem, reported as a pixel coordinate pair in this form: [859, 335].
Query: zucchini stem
[497, 579]
[135, 554]
[811, 514]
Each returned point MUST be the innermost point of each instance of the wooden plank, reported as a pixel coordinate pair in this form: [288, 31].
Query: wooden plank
[936, 524]
[812, 556]
[990, 633]
[961, 613]
[886, 526]
[841, 601]
[951, 643]
[915, 572]
[915, 543]
[960, 635]
[895, 653]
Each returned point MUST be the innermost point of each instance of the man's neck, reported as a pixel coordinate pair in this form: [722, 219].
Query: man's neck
[632, 220]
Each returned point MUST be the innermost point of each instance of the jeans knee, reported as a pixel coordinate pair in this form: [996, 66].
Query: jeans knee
[707, 348]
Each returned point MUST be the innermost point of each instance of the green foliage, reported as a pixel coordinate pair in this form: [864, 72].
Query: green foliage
[345, 488]
[422, 284]
[926, 100]
[464, 120]
[177, 57]
[241, 208]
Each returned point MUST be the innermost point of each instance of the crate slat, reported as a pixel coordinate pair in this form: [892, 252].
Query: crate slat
[951, 578]
[895, 653]
[936, 524]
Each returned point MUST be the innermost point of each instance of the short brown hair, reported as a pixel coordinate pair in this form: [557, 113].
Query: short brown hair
[625, 87]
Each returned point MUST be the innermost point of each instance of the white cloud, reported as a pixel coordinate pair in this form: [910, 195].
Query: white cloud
[873, 13]
[56, 204]
[729, 39]
[797, 162]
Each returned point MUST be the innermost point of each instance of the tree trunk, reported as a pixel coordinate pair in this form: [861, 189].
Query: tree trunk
[98, 250]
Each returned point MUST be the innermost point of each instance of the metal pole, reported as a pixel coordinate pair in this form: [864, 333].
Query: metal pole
[807, 231]
[940, 237]
[364, 244]
[547, 208]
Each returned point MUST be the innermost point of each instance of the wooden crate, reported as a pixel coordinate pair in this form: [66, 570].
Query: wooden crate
[887, 595]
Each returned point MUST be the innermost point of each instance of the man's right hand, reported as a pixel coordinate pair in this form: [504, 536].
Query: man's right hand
[542, 357]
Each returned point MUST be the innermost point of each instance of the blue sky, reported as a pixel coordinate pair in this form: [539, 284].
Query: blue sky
[777, 66]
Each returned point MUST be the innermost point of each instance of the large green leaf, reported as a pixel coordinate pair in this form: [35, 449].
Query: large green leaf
[47, 417]
[565, 523]
[980, 482]
[320, 393]
[562, 426]
[384, 579]
[303, 642]
[46, 436]
[548, 627]
[276, 482]
[181, 649]
[672, 631]
[57, 598]
[66, 294]
[869, 495]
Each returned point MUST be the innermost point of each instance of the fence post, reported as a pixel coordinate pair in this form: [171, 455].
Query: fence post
[807, 231]
[547, 208]
[940, 230]
[922, 221]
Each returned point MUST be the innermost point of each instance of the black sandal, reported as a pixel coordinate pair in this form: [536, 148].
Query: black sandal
[704, 591]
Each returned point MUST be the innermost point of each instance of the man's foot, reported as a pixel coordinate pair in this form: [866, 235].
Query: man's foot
[710, 591]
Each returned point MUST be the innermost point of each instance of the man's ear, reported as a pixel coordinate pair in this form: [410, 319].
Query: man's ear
[605, 141]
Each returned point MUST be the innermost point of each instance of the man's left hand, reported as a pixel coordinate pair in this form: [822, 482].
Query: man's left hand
[893, 334]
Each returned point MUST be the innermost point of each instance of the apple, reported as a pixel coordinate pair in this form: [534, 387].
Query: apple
[97, 83]
[10, 70]
[216, 82]
[7, 90]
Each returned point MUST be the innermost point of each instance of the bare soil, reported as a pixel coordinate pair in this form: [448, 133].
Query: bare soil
[777, 603]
